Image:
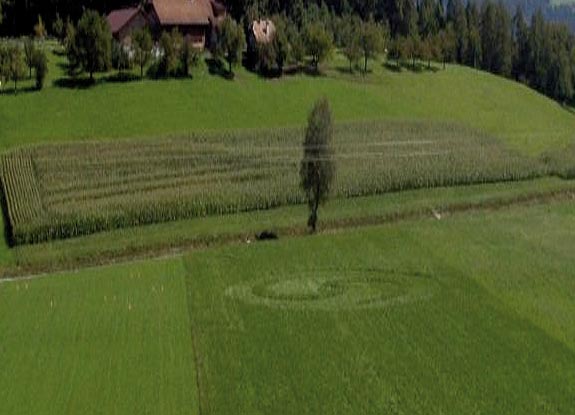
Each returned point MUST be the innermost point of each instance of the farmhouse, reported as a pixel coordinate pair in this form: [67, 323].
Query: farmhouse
[195, 19]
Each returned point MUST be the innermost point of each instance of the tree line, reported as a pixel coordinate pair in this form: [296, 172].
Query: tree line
[536, 52]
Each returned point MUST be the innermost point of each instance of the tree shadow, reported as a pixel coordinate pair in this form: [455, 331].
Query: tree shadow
[9, 90]
[75, 83]
[122, 77]
[419, 67]
[217, 68]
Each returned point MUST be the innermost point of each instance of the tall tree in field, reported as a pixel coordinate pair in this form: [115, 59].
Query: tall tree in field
[142, 43]
[93, 43]
[372, 40]
[457, 17]
[29, 53]
[474, 35]
[428, 19]
[15, 65]
[231, 42]
[350, 37]
[40, 68]
[319, 44]
[40, 29]
[521, 45]
[317, 167]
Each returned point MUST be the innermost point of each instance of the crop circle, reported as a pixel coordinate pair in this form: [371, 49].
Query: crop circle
[336, 289]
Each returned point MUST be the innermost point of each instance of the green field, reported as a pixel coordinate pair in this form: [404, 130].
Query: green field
[472, 314]
[441, 281]
[107, 341]
[54, 192]
[461, 95]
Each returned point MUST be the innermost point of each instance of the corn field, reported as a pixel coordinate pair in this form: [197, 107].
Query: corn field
[62, 191]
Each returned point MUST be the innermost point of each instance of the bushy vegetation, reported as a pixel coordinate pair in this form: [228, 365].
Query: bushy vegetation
[80, 189]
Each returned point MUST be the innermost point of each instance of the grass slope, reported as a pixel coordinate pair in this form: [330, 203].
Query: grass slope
[497, 106]
[426, 317]
[106, 341]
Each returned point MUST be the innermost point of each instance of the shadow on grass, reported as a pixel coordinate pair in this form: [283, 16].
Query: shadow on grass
[122, 77]
[418, 67]
[217, 68]
[75, 83]
[8, 235]
[9, 90]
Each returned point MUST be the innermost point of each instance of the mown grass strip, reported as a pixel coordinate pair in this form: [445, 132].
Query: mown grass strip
[177, 237]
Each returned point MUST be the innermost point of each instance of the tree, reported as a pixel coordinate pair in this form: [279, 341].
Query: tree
[189, 57]
[29, 53]
[231, 42]
[40, 68]
[171, 45]
[120, 57]
[474, 35]
[351, 40]
[15, 65]
[457, 17]
[428, 19]
[521, 45]
[40, 29]
[297, 45]
[71, 50]
[93, 43]
[448, 43]
[281, 43]
[372, 40]
[142, 43]
[317, 167]
[59, 29]
[319, 44]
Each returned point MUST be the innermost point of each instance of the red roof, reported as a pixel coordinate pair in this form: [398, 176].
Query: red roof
[119, 18]
[184, 12]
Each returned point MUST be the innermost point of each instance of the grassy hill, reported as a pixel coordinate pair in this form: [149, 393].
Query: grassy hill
[439, 300]
[520, 116]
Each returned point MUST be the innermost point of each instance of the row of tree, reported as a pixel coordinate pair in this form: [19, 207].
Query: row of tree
[14, 60]
[538, 53]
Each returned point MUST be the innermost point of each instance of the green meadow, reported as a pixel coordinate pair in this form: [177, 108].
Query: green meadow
[469, 314]
[411, 299]
[106, 341]
[110, 110]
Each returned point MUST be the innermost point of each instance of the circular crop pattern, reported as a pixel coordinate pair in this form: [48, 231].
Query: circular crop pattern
[336, 289]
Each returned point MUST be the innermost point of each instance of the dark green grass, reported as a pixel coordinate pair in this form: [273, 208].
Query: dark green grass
[106, 341]
[496, 335]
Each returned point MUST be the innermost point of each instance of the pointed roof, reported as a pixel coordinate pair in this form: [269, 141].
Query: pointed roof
[184, 12]
[117, 19]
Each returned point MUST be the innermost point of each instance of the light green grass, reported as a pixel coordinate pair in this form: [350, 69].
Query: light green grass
[488, 328]
[103, 341]
[500, 107]
[471, 314]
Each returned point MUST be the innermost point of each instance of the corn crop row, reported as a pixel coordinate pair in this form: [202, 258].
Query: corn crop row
[62, 191]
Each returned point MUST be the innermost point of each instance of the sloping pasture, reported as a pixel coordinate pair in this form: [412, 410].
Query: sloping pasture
[61, 191]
